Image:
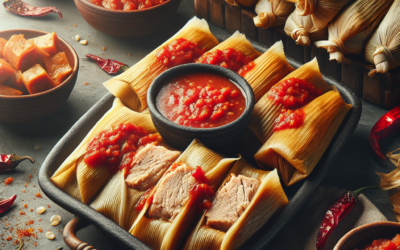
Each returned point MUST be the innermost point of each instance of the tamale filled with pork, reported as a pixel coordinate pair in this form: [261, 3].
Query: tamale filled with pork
[184, 47]
[272, 13]
[98, 157]
[245, 202]
[179, 198]
[295, 151]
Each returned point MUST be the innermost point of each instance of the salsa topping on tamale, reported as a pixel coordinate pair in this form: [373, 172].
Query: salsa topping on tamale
[143, 199]
[289, 119]
[246, 68]
[110, 146]
[201, 100]
[228, 58]
[231, 201]
[179, 51]
[179, 186]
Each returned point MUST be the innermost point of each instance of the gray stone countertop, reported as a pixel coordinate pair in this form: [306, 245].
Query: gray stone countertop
[354, 168]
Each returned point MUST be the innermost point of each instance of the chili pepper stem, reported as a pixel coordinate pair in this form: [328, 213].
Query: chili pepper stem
[362, 189]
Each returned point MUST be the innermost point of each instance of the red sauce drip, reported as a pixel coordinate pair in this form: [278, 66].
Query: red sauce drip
[8, 181]
[127, 5]
[142, 201]
[156, 138]
[384, 244]
[293, 93]
[199, 175]
[26, 233]
[246, 68]
[109, 146]
[202, 194]
[179, 51]
[201, 100]
[228, 58]
[289, 119]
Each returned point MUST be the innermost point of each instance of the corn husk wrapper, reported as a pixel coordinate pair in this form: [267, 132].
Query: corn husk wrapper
[303, 30]
[295, 152]
[383, 49]
[160, 234]
[350, 29]
[394, 157]
[320, 11]
[268, 200]
[272, 13]
[395, 200]
[131, 86]
[269, 68]
[245, 3]
[390, 180]
[266, 111]
[81, 181]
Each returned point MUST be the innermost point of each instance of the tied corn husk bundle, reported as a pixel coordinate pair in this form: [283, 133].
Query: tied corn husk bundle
[383, 49]
[295, 152]
[395, 200]
[303, 30]
[272, 13]
[394, 157]
[350, 29]
[390, 180]
[78, 179]
[131, 86]
[161, 234]
[320, 11]
[269, 68]
[266, 111]
[245, 3]
[268, 200]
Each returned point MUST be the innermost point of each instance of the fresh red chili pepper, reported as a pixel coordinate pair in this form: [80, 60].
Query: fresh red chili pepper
[110, 66]
[6, 204]
[23, 9]
[8, 162]
[336, 212]
[385, 126]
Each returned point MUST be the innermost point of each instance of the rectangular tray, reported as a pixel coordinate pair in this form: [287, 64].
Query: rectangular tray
[298, 194]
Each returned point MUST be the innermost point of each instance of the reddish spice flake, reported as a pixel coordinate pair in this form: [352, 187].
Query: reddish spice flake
[129, 54]
[9, 238]
[35, 244]
[6, 224]
[23, 191]
[31, 210]
[30, 176]
[40, 230]
[40, 219]
[25, 206]
[21, 213]
[38, 195]
[26, 185]
[104, 48]
[75, 25]
[15, 242]
[29, 222]
[26, 233]
[86, 83]
[8, 181]
[48, 206]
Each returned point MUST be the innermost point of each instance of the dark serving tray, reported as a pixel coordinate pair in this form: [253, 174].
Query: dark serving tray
[298, 194]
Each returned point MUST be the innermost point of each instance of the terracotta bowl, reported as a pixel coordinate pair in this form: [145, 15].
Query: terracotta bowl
[363, 235]
[217, 138]
[26, 108]
[133, 23]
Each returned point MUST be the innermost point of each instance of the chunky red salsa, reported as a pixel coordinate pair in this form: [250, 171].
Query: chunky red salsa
[115, 145]
[384, 244]
[127, 5]
[228, 58]
[246, 68]
[289, 119]
[179, 51]
[201, 100]
[201, 193]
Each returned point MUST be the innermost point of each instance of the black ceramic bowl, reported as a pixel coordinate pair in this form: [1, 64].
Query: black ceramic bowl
[216, 138]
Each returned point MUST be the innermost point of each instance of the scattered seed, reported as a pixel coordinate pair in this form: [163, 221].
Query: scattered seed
[41, 210]
[55, 220]
[50, 235]
[84, 42]
[77, 38]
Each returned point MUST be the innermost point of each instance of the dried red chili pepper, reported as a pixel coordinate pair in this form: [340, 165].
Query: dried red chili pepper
[110, 66]
[8, 162]
[6, 204]
[23, 9]
[385, 126]
[336, 212]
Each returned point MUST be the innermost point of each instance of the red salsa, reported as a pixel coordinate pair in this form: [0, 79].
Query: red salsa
[228, 58]
[384, 244]
[201, 100]
[142, 201]
[179, 51]
[289, 119]
[246, 68]
[127, 5]
[201, 192]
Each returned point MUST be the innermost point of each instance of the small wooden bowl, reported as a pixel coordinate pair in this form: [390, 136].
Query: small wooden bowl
[27, 108]
[366, 234]
[134, 23]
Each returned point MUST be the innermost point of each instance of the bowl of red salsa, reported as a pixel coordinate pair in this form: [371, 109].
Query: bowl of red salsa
[207, 102]
[127, 18]
[383, 235]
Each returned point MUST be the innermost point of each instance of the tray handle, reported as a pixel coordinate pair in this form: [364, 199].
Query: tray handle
[69, 234]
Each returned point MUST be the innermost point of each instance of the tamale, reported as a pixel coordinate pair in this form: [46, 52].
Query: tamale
[303, 30]
[163, 234]
[272, 13]
[295, 152]
[266, 111]
[350, 29]
[78, 179]
[383, 49]
[320, 11]
[131, 86]
[266, 202]
[268, 69]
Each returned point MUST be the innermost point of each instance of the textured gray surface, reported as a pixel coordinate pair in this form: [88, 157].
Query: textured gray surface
[353, 169]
